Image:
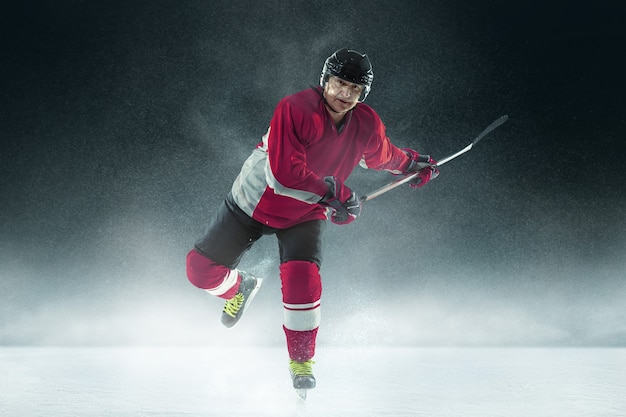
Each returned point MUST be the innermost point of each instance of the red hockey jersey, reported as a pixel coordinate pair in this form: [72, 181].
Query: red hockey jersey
[282, 181]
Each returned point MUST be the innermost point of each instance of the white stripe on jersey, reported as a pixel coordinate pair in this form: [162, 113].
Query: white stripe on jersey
[256, 175]
[250, 184]
[306, 196]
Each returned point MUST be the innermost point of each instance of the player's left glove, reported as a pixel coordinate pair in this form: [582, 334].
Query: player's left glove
[344, 202]
[421, 163]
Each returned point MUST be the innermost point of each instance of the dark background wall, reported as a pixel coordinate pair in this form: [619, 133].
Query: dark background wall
[123, 125]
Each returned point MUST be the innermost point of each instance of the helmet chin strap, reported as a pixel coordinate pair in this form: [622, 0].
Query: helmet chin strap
[328, 106]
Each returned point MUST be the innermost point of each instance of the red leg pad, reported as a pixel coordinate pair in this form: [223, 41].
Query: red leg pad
[301, 282]
[302, 290]
[208, 275]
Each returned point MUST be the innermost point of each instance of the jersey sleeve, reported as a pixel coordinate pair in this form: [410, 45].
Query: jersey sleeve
[286, 170]
[380, 154]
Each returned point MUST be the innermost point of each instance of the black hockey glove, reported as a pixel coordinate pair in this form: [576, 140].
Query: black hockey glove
[423, 164]
[344, 202]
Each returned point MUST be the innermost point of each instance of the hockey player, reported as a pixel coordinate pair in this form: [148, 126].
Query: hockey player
[293, 178]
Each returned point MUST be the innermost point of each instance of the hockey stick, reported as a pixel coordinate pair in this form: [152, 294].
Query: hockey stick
[397, 183]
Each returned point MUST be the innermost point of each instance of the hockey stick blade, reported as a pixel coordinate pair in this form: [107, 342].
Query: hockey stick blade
[484, 133]
[490, 128]
[447, 159]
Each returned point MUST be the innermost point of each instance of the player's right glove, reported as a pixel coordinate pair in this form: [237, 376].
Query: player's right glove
[344, 202]
[423, 164]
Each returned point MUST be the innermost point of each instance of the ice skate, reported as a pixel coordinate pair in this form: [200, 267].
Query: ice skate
[236, 306]
[302, 376]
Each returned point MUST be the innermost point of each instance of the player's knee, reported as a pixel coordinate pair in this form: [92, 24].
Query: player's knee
[301, 282]
[203, 272]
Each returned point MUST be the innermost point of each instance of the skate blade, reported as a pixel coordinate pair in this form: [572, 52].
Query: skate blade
[301, 393]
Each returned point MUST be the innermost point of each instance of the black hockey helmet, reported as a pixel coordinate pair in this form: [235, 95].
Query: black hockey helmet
[351, 66]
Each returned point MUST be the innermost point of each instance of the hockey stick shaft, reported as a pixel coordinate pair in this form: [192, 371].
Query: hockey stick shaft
[447, 159]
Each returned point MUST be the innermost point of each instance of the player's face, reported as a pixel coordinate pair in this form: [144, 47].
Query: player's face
[342, 95]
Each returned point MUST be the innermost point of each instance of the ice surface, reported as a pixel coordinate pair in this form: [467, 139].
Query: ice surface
[351, 382]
